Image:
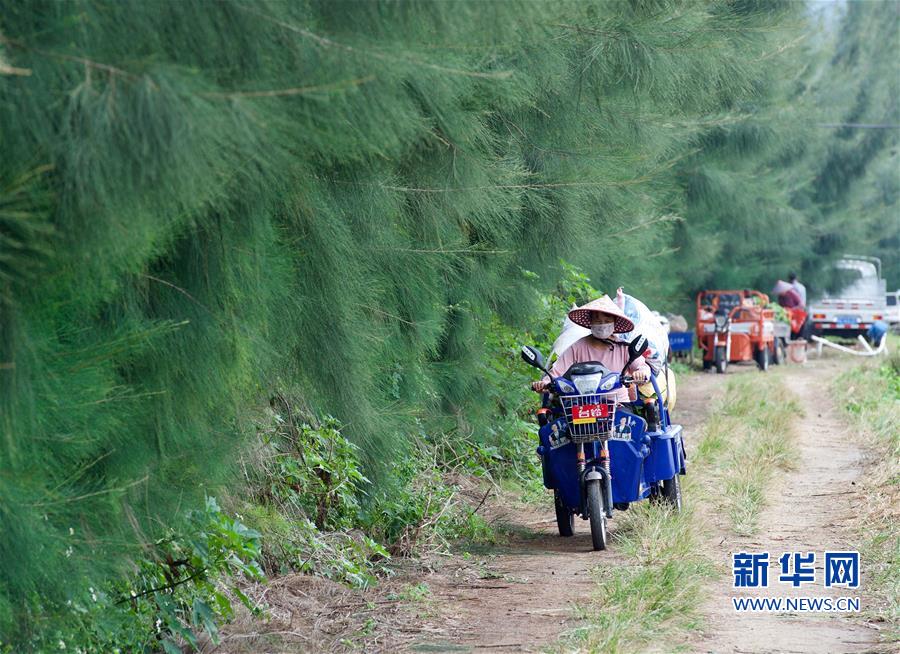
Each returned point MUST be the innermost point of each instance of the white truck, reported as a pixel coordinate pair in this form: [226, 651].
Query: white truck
[852, 311]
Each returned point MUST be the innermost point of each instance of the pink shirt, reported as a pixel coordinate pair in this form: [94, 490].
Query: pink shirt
[611, 355]
[790, 299]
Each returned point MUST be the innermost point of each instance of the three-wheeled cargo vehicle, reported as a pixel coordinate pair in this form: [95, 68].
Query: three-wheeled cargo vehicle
[735, 326]
[598, 454]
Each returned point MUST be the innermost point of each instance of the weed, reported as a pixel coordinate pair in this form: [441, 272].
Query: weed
[872, 405]
[746, 440]
[413, 593]
[303, 492]
[658, 590]
[659, 586]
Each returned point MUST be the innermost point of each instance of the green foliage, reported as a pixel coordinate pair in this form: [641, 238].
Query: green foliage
[872, 395]
[850, 176]
[292, 543]
[216, 547]
[302, 491]
[423, 511]
[778, 184]
[183, 585]
[414, 593]
[315, 469]
[202, 203]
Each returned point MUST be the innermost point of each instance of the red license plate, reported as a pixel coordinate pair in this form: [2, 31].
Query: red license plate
[586, 413]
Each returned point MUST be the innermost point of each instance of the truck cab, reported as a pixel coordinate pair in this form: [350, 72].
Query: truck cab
[861, 302]
[892, 309]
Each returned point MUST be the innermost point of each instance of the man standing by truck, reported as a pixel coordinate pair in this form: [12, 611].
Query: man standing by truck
[793, 300]
[800, 288]
[787, 295]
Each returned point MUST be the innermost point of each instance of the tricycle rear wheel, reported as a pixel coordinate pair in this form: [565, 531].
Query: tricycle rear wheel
[762, 358]
[565, 519]
[597, 515]
[671, 492]
[778, 354]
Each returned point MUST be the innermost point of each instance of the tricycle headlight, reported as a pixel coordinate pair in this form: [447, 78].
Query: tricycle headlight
[608, 383]
[587, 384]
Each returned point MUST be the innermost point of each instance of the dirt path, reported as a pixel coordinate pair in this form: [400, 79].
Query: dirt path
[534, 585]
[525, 595]
[519, 597]
[809, 510]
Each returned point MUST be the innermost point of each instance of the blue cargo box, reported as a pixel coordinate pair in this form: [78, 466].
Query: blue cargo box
[626, 460]
[681, 341]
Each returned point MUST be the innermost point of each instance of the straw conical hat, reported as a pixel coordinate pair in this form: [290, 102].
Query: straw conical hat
[582, 315]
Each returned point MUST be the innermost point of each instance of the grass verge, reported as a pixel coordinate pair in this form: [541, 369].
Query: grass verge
[655, 596]
[657, 589]
[756, 438]
[872, 407]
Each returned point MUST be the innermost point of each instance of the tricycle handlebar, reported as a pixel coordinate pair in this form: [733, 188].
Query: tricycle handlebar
[625, 380]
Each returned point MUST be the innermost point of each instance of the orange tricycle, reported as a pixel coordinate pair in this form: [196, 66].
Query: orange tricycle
[734, 326]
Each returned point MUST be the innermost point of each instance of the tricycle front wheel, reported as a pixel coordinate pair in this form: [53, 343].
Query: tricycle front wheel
[565, 519]
[720, 360]
[597, 515]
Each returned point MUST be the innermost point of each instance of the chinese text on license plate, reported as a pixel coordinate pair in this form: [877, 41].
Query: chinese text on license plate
[589, 413]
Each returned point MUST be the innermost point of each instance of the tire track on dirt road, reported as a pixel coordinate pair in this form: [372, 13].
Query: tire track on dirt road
[809, 509]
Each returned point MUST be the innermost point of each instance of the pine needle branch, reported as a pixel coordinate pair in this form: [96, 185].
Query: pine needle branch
[90, 63]
[105, 491]
[330, 43]
[668, 218]
[302, 90]
[6, 69]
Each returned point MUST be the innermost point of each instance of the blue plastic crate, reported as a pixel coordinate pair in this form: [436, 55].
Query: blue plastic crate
[681, 341]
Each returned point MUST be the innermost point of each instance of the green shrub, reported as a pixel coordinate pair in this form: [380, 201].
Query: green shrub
[183, 585]
[303, 492]
[313, 467]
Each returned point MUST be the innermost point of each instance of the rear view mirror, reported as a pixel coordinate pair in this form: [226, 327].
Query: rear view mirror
[638, 346]
[532, 357]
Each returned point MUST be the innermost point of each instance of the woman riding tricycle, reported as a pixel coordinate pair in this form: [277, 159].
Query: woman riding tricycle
[601, 446]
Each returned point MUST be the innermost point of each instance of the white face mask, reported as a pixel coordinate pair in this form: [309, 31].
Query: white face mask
[602, 330]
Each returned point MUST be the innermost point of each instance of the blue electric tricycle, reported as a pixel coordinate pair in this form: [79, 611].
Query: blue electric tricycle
[597, 454]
